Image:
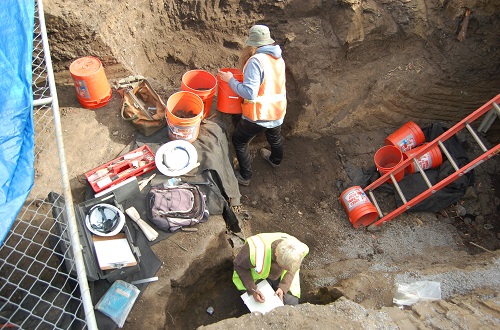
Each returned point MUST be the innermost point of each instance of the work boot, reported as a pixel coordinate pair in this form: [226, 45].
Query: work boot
[264, 153]
[241, 181]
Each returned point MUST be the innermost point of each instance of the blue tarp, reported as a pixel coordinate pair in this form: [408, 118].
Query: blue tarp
[16, 109]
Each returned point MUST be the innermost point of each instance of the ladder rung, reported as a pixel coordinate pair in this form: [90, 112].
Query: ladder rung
[424, 176]
[396, 185]
[488, 120]
[497, 108]
[447, 153]
[474, 135]
[374, 201]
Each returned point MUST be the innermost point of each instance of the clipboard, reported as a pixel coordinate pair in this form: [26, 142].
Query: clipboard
[94, 272]
[272, 300]
[113, 252]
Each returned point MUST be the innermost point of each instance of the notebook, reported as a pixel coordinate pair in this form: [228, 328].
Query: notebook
[117, 302]
[113, 252]
[272, 300]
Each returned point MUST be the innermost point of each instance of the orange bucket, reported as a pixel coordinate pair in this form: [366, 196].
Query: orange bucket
[92, 86]
[358, 206]
[203, 84]
[227, 100]
[387, 158]
[406, 137]
[431, 159]
[184, 115]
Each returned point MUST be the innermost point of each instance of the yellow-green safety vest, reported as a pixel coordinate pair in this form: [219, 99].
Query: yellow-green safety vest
[260, 257]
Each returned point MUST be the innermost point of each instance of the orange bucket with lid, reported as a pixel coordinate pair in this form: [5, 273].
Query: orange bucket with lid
[92, 86]
[227, 100]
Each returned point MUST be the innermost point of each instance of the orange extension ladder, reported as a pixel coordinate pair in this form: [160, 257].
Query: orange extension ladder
[491, 110]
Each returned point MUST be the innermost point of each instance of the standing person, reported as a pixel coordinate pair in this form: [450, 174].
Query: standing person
[264, 100]
[275, 257]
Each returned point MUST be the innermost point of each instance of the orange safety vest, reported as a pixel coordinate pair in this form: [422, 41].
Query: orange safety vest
[271, 99]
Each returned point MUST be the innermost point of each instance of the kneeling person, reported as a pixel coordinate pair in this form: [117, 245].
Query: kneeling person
[275, 257]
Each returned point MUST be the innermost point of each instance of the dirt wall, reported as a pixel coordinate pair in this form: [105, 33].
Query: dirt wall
[351, 64]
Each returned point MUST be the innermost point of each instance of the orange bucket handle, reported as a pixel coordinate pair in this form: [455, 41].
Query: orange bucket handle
[229, 96]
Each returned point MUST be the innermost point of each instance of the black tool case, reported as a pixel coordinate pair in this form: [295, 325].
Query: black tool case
[94, 272]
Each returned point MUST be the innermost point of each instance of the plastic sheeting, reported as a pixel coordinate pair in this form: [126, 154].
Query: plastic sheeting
[16, 108]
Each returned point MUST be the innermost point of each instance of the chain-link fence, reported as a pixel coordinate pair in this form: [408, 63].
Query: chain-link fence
[43, 283]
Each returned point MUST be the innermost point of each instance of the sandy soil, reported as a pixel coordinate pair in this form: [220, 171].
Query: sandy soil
[301, 197]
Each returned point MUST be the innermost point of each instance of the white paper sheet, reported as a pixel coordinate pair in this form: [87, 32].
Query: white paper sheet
[272, 300]
[114, 252]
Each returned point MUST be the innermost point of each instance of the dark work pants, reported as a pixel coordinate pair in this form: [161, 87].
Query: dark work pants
[288, 298]
[244, 132]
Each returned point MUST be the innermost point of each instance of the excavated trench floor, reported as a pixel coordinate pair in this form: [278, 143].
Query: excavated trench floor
[214, 298]
[346, 262]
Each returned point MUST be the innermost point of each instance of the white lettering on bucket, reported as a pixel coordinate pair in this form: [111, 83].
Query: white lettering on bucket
[183, 132]
[407, 143]
[425, 162]
[353, 198]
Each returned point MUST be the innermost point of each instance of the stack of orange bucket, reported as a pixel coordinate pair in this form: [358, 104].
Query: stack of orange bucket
[184, 115]
[387, 158]
[407, 137]
[203, 84]
[404, 143]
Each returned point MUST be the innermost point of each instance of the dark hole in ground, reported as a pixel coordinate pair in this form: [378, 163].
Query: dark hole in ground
[188, 305]
[323, 296]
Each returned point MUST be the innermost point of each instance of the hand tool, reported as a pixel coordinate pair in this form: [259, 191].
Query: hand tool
[144, 183]
[188, 229]
[150, 233]
[145, 280]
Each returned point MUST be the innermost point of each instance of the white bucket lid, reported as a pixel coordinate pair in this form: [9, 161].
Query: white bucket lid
[176, 158]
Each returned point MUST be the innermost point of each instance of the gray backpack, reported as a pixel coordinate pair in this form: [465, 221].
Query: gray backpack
[171, 208]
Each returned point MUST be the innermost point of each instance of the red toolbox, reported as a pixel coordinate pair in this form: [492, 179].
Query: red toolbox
[133, 163]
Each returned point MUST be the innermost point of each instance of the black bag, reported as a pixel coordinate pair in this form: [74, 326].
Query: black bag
[93, 271]
[171, 208]
[143, 107]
